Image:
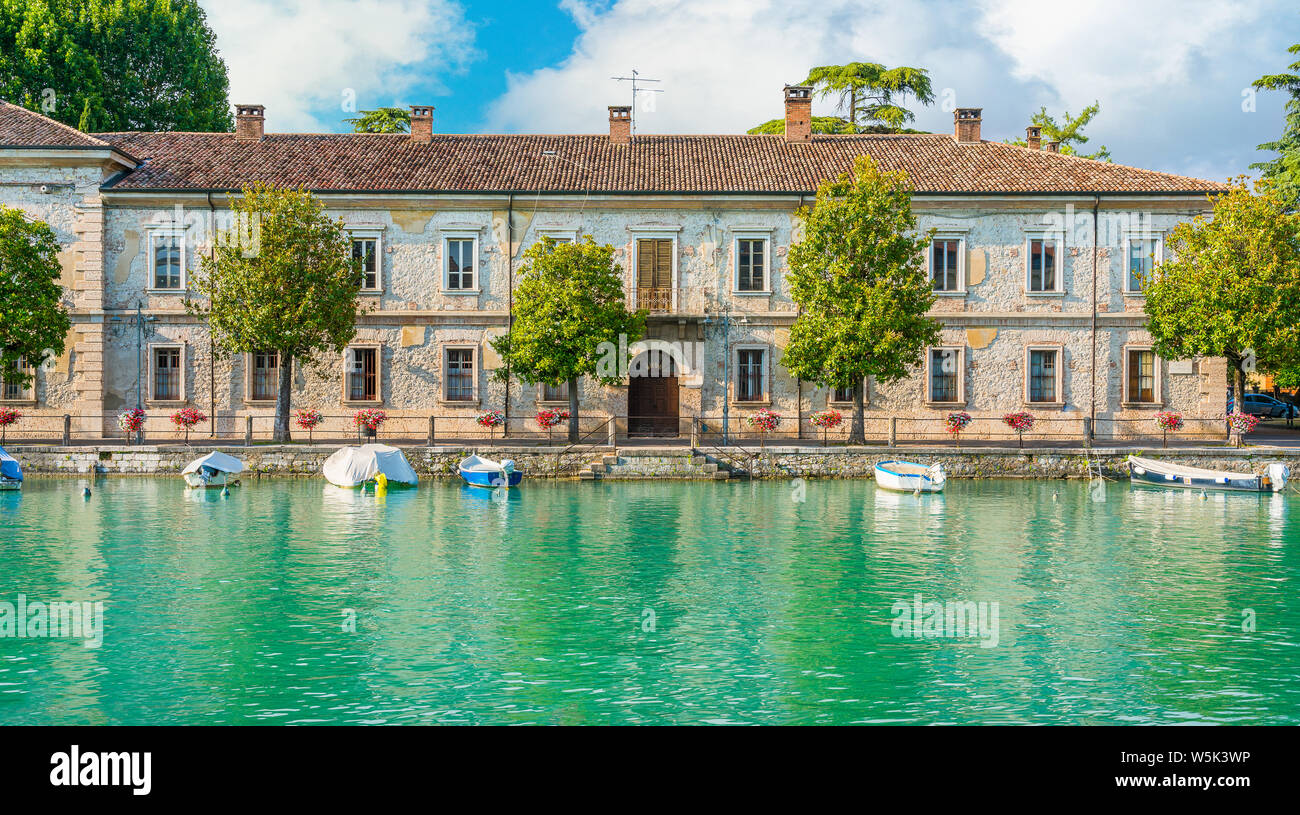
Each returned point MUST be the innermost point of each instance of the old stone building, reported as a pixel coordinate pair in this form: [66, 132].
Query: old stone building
[1037, 261]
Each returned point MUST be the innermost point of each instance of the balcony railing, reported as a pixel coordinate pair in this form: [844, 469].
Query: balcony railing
[655, 300]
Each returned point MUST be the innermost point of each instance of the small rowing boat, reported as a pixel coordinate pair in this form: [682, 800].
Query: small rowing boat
[1165, 474]
[213, 470]
[909, 476]
[484, 472]
[11, 472]
[352, 467]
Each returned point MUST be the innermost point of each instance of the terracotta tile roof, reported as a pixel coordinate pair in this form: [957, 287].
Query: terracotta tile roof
[667, 164]
[20, 127]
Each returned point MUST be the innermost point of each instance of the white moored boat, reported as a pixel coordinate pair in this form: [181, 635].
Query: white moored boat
[355, 466]
[908, 476]
[1165, 474]
[11, 472]
[213, 470]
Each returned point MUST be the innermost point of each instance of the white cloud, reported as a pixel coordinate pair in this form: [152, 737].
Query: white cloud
[1168, 73]
[301, 57]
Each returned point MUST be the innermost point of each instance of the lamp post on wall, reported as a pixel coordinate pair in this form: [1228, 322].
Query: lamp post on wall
[723, 318]
[139, 321]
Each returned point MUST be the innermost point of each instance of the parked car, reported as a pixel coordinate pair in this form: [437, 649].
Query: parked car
[1285, 409]
[1264, 406]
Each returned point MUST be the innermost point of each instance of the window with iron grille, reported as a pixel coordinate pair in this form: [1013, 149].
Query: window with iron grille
[555, 393]
[167, 374]
[366, 250]
[1042, 265]
[1042, 376]
[460, 374]
[749, 375]
[264, 380]
[363, 374]
[944, 372]
[943, 265]
[166, 261]
[460, 263]
[1141, 376]
[751, 258]
[13, 390]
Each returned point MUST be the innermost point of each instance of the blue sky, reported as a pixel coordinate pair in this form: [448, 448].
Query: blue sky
[1172, 76]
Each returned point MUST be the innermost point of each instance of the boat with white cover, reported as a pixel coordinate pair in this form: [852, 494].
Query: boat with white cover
[909, 476]
[355, 466]
[1167, 474]
[213, 470]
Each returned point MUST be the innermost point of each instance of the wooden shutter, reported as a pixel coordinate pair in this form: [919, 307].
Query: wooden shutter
[654, 263]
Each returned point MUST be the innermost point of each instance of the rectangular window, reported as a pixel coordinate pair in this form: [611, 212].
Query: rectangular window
[1141, 262]
[460, 374]
[264, 380]
[12, 390]
[749, 375]
[366, 250]
[167, 374]
[751, 259]
[654, 274]
[555, 393]
[1042, 265]
[166, 253]
[943, 265]
[1141, 376]
[363, 375]
[460, 264]
[945, 375]
[842, 395]
[1042, 376]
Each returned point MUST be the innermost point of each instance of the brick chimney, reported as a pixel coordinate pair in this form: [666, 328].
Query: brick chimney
[620, 124]
[966, 123]
[798, 113]
[1053, 147]
[422, 123]
[1033, 137]
[250, 122]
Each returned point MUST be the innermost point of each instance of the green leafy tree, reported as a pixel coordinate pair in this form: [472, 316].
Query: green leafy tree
[859, 278]
[1284, 170]
[829, 124]
[569, 310]
[1069, 133]
[382, 120]
[104, 65]
[282, 279]
[33, 321]
[1232, 287]
[870, 93]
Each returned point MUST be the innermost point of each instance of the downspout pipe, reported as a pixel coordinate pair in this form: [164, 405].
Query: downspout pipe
[1092, 424]
[212, 359]
[510, 296]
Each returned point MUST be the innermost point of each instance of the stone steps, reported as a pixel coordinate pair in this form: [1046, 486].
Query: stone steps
[688, 465]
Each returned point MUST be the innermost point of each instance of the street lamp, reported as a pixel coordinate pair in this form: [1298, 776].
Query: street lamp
[723, 318]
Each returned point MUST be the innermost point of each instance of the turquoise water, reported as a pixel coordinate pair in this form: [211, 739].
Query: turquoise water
[655, 602]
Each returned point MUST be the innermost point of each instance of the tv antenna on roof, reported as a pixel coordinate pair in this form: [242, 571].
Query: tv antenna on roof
[635, 78]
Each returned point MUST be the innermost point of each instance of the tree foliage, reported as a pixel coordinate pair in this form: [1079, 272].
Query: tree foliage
[1232, 287]
[104, 65]
[382, 120]
[1284, 170]
[829, 124]
[870, 93]
[33, 321]
[1069, 132]
[568, 308]
[282, 279]
[859, 278]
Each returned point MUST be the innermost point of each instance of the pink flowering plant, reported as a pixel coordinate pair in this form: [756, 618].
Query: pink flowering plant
[131, 421]
[1168, 420]
[491, 419]
[186, 418]
[307, 419]
[956, 423]
[8, 416]
[764, 421]
[370, 419]
[827, 420]
[548, 418]
[1241, 424]
[1021, 422]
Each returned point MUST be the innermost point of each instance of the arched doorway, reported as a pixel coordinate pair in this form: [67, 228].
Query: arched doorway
[652, 401]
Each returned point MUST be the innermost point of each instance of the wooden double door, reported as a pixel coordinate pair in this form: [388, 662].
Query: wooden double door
[652, 403]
